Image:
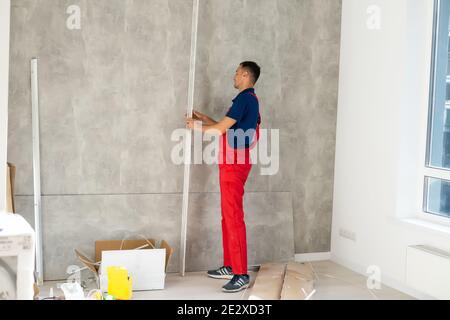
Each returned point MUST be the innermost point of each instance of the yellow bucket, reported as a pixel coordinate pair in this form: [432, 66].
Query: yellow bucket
[119, 283]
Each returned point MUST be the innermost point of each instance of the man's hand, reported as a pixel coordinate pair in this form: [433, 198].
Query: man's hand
[200, 116]
[190, 123]
[218, 128]
[207, 124]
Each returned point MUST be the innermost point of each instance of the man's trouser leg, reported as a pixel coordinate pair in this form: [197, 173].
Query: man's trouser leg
[234, 240]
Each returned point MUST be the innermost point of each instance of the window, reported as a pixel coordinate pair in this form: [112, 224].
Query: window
[437, 172]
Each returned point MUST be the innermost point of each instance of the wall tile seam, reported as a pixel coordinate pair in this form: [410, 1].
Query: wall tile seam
[137, 194]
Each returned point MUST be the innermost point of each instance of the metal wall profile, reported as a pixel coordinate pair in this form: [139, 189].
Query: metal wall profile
[188, 138]
[37, 170]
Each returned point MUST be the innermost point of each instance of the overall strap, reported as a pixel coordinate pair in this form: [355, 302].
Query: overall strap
[257, 126]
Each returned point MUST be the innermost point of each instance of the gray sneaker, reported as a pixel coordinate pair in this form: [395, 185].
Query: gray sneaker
[237, 283]
[221, 273]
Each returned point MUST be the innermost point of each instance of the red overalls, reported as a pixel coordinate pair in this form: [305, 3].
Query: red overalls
[233, 175]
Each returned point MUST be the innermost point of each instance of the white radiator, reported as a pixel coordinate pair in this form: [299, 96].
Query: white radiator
[428, 271]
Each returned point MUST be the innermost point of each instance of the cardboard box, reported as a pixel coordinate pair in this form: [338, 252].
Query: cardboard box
[298, 282]
[278, 281]
[149, 259]
[10, 176]
[269, 282]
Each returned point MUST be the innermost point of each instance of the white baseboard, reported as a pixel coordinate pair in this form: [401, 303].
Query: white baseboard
[386, 280]
[309, 257]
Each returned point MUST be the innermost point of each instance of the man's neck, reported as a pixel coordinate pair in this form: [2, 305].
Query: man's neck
[245, 88]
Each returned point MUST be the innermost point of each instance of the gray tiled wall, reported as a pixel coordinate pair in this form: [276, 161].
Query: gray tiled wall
[112, 93]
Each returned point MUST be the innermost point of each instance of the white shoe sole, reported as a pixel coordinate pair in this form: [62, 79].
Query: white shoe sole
[221, 277]
[236, 290]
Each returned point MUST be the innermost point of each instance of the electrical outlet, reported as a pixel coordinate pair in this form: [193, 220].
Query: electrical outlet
[350, 235]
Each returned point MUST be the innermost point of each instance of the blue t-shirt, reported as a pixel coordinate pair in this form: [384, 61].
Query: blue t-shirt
[245, 110]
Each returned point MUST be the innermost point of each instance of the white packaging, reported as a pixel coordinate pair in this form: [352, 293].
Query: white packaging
[145, 267]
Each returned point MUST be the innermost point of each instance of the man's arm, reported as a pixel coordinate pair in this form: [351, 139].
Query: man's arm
[216, 128]
[204, 118]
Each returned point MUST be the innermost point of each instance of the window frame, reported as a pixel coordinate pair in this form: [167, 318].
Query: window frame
[430, 171]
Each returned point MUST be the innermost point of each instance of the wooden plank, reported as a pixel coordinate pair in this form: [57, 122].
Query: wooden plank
[269, 282]
[298, 282]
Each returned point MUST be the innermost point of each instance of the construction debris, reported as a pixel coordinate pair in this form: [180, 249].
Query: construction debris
[146, 263]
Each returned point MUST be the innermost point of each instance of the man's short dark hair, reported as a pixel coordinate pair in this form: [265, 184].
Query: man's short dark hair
[253, 68]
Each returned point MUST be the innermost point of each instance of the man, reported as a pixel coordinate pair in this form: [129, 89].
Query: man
[238, 129]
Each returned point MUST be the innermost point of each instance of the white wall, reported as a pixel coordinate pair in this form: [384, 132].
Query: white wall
[4, 76]
[382, 110]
